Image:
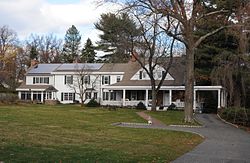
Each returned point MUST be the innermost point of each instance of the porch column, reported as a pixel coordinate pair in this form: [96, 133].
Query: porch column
[146, 98]
[19, 95]
[194, 102]
[31, 94]
[123, 97]
[219, 98]
[42, 96]
[170, 96]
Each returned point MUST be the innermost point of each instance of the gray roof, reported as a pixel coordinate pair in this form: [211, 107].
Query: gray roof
[43, 68]
[79, 66]
[23, 86]
[177, 71]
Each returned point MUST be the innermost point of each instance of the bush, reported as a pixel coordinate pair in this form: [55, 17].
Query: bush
[238, 116]
[172, 107]
[92, 103]
[141, 105]
[8, 98]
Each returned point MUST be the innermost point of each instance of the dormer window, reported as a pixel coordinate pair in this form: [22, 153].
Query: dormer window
[118, 79]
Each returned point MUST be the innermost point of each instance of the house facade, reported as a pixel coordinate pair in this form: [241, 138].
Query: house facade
[113, 84]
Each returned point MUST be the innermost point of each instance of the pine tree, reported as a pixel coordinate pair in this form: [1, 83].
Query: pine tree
[71, 48]
[88, 52]
[118, 35]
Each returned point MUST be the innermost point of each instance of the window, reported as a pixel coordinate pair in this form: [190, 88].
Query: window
[95, 95]
[105, 96]
[86, 79]
[40, 80]
[113, 96]
[68, 79]
[159, 74]
[118, 79]
[88, 95]
[105, 79]
[25, 96]
[67, 97]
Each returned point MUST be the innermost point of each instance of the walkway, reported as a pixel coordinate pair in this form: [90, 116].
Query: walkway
[223, 143]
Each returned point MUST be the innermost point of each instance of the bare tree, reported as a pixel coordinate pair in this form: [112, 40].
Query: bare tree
[188, 13]
[46, 49]
[83, 81]
[153, 48]
[8, 39]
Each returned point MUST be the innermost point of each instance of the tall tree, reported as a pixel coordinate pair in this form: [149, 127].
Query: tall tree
[88, 52]
[188, 14]
[71, 47]
[153, 49]
[118, 33]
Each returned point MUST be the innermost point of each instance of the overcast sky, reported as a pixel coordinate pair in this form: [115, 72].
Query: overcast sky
[52, 16]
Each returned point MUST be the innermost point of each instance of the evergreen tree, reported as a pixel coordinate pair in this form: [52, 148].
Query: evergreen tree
[71, 48]
[88, 52]
[118, 35]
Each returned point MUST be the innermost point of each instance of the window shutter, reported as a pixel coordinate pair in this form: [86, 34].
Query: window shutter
[61, 96]
[74, 95]
[109, 80]
[88, 79]
[140, 75]
[34, 80]
[102, 79]
[65, 77]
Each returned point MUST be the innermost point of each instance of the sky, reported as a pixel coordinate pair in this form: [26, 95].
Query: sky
[44, 17]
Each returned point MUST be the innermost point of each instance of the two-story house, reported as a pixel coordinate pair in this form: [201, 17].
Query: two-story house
[117, 84]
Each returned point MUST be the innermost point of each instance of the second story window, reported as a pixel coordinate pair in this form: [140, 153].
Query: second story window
[40, 80]
[106, 79]
[86, 79]
[118, 79]
[68, 79]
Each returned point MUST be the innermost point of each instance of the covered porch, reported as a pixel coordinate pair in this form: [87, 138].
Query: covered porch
[131, 96]
[40, 94]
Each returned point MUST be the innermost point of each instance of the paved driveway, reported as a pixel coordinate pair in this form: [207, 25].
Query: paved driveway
[224, 143]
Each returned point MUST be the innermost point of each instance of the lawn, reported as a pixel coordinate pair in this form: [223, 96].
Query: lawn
[68, 133]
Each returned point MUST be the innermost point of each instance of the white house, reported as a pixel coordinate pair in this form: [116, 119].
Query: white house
[117, 84]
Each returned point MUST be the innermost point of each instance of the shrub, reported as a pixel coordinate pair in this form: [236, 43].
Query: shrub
[8, 98]
[239, 116]
[172, 107]
[92, 103]
[141, 105]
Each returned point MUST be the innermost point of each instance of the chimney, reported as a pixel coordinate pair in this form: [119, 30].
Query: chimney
[134, 56]
[33, 62]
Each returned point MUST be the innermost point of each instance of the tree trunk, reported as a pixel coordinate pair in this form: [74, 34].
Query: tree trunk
[154, 98]
[189, 86]
[82, 103]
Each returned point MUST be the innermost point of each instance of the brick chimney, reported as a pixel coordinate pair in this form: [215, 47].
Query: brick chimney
[33, 62]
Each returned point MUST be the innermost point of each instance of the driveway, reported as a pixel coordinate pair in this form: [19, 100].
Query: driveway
[223, 143]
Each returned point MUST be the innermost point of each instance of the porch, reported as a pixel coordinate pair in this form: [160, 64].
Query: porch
[130, 97]
[40, 95]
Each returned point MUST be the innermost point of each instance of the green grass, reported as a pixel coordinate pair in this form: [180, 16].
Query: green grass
[68, 133]
[171, 117]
